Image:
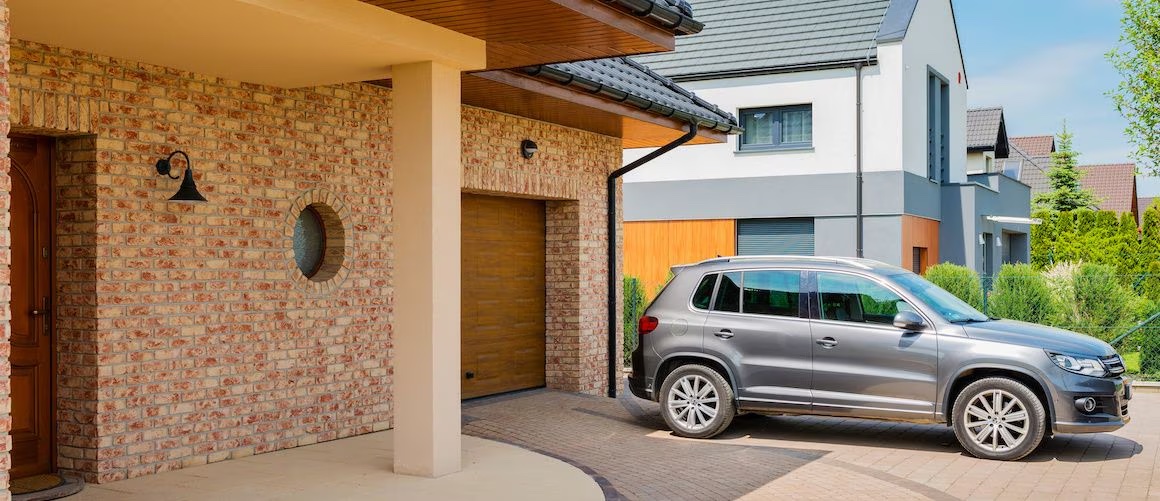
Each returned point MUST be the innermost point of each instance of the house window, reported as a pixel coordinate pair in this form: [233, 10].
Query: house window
[779, 127]
[938, 107]
[1013, 168]
[309, 241]
[918, 259]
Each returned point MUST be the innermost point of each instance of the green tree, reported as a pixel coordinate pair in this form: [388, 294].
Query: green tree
[634, 305]
[1138, 96]
[1021, 293]
[1043, 237]
[1104, 308]
[1066, 193]
[1067, 245]
[961, 281]
[1126, 245]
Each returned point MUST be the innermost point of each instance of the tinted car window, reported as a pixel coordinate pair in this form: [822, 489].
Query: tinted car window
[704, 293]
[729, 293]
[771, 293]
[850, 298]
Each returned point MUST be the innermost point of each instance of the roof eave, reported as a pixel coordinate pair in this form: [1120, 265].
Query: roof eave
[567, 79]
[656, 12]
[774, 70]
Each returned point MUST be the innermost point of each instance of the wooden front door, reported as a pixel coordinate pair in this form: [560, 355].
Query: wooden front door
[32, 377]
[503, 295]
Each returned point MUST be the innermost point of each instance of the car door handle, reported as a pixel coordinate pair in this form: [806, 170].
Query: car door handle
[724, 333]
[827, 342]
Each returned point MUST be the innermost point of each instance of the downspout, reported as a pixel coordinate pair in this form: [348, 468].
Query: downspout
[612, 285]
[858, 156]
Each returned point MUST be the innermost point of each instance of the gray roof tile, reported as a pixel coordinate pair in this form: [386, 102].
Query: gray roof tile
[746, 35]
[639, 86]
[983, 126]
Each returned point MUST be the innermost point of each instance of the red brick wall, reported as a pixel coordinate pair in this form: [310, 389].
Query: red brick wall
[5, 259]
[186, 334]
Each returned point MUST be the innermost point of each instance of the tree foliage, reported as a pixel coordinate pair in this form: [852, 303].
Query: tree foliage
[1138, 96]
[1066, 192]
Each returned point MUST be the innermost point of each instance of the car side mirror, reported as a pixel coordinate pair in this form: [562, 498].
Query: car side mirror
[908, 321]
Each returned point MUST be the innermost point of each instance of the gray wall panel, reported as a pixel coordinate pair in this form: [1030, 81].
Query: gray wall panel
[822, 195]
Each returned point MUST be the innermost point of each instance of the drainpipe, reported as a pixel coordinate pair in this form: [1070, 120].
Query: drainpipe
[612, 285]
[858, 156]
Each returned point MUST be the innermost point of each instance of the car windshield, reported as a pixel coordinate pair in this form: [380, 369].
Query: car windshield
[946, 304]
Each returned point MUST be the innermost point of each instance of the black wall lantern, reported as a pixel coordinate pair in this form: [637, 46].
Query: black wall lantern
[528, 148]
[188, 191]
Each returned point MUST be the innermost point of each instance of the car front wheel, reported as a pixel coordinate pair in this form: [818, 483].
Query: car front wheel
[697, 402]
[999, 418]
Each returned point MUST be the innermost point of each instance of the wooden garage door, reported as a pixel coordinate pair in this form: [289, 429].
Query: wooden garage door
[503, 295]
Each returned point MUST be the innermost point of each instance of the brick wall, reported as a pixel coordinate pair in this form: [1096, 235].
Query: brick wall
[5, 260]
[185, 334]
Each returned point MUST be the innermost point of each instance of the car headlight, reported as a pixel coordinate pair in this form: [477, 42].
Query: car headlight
[1079, 364]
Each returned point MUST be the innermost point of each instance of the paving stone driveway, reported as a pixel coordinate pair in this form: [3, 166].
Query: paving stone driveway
[625, 446]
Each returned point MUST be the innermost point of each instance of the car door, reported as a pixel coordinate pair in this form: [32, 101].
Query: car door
[759, 324]
[862, 364]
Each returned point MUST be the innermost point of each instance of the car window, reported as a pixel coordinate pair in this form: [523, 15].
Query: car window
[704, 293]
[771, 293]
[850, 298]
[729, 293]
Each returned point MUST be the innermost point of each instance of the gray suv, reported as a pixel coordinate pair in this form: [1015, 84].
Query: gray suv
[859, 338]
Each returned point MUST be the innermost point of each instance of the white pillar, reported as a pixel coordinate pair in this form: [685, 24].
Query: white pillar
[427, 178]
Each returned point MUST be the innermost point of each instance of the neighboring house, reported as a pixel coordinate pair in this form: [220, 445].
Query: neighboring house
[407, 204]
[1143, 203]
[794, 72]
[1114, 185]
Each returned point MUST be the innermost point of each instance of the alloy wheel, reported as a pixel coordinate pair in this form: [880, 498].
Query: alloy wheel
[997, 421]
[693, 402]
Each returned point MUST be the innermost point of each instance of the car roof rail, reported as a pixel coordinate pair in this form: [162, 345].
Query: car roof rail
[855, 262]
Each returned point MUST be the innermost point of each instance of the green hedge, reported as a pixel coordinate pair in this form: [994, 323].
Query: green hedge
[961, 281]
[634, 305]
[1021, 293]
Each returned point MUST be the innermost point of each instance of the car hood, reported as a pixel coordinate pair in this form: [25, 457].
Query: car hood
[1038, 336]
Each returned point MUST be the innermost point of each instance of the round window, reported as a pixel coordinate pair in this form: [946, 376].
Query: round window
[309, 241]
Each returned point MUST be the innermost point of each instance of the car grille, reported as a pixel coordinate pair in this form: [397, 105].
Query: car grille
[1114, 363]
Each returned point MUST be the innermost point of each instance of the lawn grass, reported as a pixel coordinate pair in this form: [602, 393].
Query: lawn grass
[1132, 362]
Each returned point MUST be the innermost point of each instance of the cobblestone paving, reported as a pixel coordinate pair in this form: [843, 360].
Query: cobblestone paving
[625, 446]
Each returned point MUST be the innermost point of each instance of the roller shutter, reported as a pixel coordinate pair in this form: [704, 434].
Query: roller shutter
[791, 236]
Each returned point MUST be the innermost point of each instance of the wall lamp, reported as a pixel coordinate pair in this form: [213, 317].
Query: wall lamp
[528, 148]
[188, 191]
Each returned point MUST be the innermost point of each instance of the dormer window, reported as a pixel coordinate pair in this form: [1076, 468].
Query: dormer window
[1013, 168]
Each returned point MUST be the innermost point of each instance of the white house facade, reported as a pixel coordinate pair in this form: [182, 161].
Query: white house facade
[796, 74]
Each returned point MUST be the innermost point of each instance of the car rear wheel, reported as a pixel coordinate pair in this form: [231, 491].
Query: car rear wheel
[697, 402]
[999, 418]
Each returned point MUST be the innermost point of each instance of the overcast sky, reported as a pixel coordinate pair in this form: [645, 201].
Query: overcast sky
[1043, 62]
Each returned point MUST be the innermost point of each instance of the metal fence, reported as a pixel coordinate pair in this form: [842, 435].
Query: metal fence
[1123, 310]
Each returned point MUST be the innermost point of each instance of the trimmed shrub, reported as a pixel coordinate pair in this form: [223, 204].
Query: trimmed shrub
[1043, 237]
[634, 305]
[1103, 308]
[961, 281]
[1061, 280]
[1020, 293]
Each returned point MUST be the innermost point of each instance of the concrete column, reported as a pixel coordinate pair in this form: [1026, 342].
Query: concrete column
[427, 172]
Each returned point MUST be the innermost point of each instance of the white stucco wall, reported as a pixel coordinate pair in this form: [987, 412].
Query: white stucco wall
[977, 161]
[930, 43]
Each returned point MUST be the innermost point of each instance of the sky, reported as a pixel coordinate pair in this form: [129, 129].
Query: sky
[1043, 61]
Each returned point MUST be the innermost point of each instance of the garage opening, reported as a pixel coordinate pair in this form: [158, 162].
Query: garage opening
[503, 295]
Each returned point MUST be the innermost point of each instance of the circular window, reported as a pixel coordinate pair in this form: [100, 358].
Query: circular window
[309, 241]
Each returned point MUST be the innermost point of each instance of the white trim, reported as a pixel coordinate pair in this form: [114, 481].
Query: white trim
[1013, 219]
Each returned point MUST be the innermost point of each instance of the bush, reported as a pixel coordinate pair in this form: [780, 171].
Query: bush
[634, 305]
[1061, 280]
[1019, 293]
[961, 281]
[1103, 308]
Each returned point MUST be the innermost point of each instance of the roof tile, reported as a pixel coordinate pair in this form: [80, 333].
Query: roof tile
[1113, 184]
[1036, 146]
[983, 127]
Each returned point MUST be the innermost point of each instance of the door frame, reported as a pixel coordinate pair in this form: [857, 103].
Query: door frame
[53, 365]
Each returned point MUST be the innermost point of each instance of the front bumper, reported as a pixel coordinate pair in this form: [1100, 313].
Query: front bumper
[1111, 413]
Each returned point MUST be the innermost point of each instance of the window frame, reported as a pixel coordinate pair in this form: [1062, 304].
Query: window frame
[777, 143]
[937, 126]
[712, 292]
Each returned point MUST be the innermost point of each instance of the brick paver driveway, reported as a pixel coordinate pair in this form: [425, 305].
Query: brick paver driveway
[626, 447]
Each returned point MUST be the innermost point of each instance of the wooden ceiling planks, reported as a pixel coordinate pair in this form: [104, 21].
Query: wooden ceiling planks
[529, 32]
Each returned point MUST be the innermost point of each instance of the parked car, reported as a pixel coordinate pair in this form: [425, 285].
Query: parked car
[859, 338]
